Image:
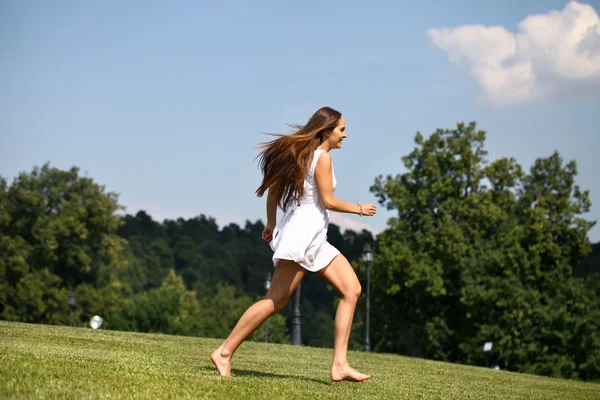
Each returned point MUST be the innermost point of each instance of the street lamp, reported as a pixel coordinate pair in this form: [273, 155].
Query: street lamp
[487, 349]
[71, 302]
[296, 320]
[267, 287]
[367, 257]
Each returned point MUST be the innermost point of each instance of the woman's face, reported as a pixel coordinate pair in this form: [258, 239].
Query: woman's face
[337, 135]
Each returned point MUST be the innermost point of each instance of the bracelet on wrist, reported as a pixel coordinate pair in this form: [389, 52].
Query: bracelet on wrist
[361, 212]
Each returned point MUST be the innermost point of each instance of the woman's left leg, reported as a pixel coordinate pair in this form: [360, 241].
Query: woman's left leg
[341, 275]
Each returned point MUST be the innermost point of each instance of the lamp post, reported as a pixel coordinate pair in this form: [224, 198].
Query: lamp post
[487, 349]
[267, 287]
[71, 302]
[368, 258]
[296, 321]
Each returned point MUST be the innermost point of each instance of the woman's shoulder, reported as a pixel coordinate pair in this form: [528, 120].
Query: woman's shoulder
[322, 155]
[322, 159]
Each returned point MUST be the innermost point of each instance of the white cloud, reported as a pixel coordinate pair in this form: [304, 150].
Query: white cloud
[553, 55]
[348, 223]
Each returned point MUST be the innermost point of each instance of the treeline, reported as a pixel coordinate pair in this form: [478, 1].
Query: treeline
[61, 233]
[476, 252]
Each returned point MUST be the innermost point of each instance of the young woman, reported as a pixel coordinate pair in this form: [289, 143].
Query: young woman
[298, 174]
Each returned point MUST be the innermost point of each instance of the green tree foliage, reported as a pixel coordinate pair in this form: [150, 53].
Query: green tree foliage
[169, 309]
[172, 309]
[482, 252]
[223, 311]
[57, 230]
[149, 244]
[278, 331]
[591, 263]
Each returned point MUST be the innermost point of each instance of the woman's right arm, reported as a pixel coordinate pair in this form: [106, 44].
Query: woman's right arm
[324, 178]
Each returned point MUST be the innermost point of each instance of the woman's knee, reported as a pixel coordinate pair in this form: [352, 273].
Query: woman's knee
[279, 302]
[353, 291]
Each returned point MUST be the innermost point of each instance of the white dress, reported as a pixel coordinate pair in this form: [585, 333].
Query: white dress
[301, 235]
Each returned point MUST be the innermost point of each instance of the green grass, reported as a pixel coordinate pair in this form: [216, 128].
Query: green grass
[42, 361]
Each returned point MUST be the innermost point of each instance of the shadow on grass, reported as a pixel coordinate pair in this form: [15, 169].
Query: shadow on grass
[258, 374]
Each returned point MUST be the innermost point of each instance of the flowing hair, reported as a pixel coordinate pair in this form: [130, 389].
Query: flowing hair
[284, 161]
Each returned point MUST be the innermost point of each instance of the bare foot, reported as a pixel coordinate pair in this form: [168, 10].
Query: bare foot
[345, 373]
[222, 363]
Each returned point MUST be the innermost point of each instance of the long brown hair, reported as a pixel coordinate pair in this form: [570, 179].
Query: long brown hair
[284, 161]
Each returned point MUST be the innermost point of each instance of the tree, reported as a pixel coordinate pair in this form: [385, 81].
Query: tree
[149, 244]
[482, 251]
[169, 309]
[591, 263]
[57, 230]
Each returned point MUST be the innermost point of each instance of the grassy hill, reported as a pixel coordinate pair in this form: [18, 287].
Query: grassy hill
[42, 361]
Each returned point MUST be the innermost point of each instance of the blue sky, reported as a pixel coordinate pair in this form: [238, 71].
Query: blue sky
[163, 102]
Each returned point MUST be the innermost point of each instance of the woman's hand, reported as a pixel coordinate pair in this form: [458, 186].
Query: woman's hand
[369, 209]
[267, 234]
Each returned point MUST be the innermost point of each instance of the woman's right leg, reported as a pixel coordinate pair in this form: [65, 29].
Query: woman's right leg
[288, 275]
